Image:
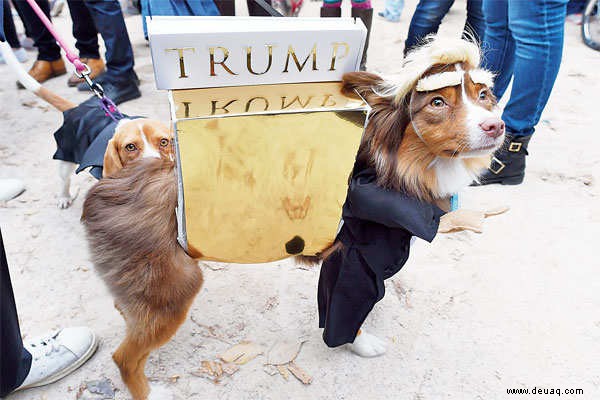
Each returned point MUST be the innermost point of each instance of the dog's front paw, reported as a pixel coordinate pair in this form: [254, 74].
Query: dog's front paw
[367, 345]
[64, 202]
[65, 199]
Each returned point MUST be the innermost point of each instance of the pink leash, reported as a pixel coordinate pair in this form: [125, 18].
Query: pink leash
[82, 70]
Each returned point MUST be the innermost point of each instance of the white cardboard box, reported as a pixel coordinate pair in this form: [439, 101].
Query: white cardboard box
[205, 52]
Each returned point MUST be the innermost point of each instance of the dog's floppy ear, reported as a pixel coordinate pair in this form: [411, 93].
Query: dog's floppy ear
[112, 160]
[363, 83]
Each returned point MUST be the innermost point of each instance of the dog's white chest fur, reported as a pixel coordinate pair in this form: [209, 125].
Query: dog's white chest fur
[452, 175]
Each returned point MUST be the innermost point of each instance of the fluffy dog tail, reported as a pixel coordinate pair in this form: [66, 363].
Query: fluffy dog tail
[132, 233]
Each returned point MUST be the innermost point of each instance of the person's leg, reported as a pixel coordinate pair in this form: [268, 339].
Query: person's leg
[84, 30]
[362, 9]
[49, 63]
[498, 44]
[475, 24]
[109, 21]
[331, 9]
[120, 81]
[86, 40]
[48, 50]
[537, 27]
[41, 360]
[10, 31]
[15, 361]
[27, 31]
[426, 19]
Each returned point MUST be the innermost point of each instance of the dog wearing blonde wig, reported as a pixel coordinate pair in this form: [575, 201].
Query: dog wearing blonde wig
[430, 135]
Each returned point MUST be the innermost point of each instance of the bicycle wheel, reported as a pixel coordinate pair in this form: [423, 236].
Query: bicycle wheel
[590, 24]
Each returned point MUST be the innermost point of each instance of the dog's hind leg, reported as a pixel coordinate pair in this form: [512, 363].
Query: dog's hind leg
[143, 336]
[65, 171]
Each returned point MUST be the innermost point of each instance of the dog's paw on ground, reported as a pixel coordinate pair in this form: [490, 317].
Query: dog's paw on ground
[367, 345]
[64, 202]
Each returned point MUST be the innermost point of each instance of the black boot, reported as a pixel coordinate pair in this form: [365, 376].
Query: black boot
[508, 164]
[366, 15]
[334, 12]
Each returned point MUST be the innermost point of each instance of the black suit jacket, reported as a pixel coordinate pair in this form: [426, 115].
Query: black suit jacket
[376, 234]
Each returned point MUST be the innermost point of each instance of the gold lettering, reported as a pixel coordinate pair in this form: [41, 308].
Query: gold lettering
[211, 51]
[249, 59]
[186, 109]
[326, 98]
[334, 56]
[180, 51]
[292, 52]
[249, 103]
[214, 107]
[296, 99]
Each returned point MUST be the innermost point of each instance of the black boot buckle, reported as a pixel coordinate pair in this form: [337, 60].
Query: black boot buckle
[496, 166]
[515, 147]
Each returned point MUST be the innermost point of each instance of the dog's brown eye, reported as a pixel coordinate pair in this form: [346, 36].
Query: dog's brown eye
[130, 147]
[164, 142]
[482, 95]
[438, 102]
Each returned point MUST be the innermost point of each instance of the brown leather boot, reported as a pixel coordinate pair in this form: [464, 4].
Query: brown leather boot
[96, 66]
[41, 70]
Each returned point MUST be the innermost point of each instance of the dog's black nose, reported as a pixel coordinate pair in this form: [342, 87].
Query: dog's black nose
[492, 127]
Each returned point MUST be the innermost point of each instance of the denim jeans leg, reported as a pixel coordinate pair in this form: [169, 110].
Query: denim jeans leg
[84, 30]
[108, 18]
[48, 50]
[498, 45]
[426, 20]
[475, 24]
[537, 27]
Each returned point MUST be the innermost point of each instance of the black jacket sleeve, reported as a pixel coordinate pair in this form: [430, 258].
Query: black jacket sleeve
[368, 201]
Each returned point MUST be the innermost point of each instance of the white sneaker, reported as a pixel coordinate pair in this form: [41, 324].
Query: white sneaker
[10, 188]
[58, 354]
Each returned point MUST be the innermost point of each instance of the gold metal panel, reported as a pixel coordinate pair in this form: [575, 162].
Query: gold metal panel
[228, 101]
[252, 183]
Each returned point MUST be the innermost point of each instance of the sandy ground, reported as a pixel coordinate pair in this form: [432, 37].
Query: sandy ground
[468, 317]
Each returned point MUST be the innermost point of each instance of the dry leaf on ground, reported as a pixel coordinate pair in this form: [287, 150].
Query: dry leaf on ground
[283, 371]
[283, 352]
[299, 373]
[241, 353]
[215, 370]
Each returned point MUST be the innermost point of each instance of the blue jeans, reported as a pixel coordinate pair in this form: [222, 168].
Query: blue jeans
[429, 15]
[394, 7]
[524, 41]
[109, 22]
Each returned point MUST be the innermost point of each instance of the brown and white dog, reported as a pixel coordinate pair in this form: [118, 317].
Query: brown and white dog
[132, 139]
[430, 136]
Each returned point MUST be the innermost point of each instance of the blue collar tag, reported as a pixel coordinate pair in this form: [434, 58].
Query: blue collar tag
[454, 202]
